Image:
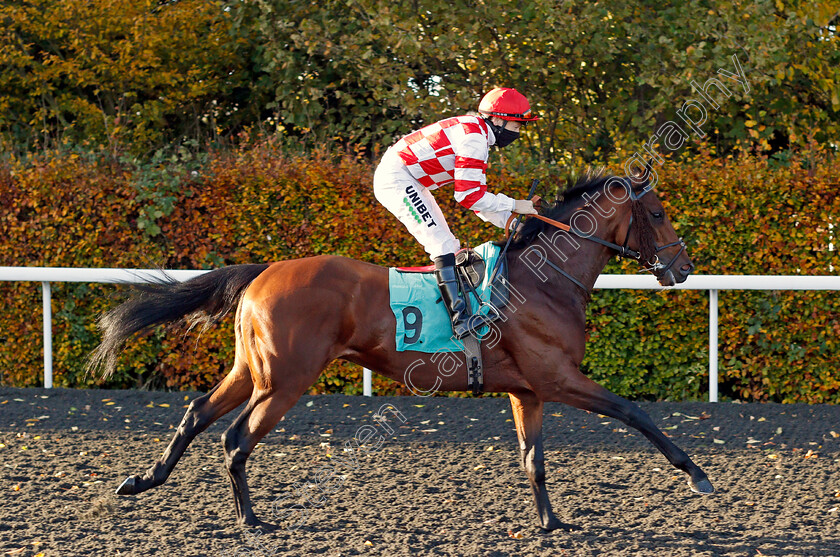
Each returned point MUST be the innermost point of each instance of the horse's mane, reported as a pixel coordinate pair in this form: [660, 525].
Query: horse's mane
[568, 199]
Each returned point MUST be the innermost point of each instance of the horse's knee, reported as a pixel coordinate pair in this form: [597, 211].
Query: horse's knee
[636, 417]
[196, 405]
[193, 420]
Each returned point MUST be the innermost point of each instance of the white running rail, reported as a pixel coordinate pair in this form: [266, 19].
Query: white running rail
[712, 283]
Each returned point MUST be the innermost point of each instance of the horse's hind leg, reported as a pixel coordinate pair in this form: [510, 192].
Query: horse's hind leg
[234, 389]
[581, 392]
[528, 417]
[259, 417]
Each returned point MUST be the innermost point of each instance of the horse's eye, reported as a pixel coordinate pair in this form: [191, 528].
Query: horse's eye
[658, 215]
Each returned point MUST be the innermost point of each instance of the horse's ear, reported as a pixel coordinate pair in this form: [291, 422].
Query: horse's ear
[648, 169]
[637, 173]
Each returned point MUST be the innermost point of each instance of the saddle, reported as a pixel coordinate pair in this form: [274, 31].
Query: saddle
[472, 269]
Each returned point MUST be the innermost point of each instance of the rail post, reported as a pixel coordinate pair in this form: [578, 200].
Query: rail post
[713, 345]
[48, 369]
[367, 382]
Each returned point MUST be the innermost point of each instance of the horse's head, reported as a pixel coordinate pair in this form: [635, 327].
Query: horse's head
[646, 229]
[623, 215]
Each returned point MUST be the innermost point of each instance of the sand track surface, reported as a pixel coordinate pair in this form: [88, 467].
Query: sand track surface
[447, 481]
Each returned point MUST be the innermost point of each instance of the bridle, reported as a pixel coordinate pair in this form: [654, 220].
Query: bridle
[621, 250]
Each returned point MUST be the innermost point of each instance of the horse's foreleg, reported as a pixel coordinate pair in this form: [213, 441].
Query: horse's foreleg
[528, 416]
[234, 389]
[581, 392]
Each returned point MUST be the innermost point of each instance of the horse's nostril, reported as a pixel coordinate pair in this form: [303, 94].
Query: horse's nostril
[687, 268]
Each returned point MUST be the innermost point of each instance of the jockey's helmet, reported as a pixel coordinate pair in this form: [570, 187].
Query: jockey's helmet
[507, 104]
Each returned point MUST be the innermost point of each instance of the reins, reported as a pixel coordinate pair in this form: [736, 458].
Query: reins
[557, 223]
[621, 250]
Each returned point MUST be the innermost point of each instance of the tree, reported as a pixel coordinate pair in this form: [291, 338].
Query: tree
[603, 75]
[120, 72]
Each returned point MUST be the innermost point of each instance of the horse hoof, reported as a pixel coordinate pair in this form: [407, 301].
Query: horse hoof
[703, 487]
[257, 524]
[128, 487]
[554, 524]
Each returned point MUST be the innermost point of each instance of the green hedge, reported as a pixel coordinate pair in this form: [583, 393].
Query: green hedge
[743, 216]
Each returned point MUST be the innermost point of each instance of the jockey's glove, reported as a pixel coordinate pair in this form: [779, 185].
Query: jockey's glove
[524, 207]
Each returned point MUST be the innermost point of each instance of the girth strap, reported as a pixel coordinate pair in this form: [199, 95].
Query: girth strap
[475, 367]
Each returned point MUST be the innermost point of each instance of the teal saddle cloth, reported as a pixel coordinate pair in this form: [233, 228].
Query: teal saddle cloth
[423, 324]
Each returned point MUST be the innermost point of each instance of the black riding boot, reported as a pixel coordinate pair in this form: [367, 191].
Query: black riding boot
[447, 281]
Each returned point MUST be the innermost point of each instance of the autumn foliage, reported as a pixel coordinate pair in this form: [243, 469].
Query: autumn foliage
[602, 75]
[259, 203]
[109, 109]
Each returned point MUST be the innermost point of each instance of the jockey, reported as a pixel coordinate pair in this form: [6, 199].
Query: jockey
[452, 151]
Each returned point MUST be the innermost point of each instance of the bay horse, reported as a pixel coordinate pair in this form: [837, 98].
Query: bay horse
[294, 317]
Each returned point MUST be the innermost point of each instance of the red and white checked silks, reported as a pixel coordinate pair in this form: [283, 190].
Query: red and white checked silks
[452, 151]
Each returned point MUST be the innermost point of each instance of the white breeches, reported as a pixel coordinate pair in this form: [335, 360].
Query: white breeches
[413, 205]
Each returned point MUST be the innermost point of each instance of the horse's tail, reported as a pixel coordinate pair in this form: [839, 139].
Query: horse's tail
[205, 299]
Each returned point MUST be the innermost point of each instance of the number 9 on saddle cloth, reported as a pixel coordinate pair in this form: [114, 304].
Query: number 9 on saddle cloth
[423, 323]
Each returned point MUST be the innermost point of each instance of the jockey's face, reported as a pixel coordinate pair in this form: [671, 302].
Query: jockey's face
[511, 125]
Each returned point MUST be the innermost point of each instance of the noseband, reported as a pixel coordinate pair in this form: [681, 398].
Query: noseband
[621, 250]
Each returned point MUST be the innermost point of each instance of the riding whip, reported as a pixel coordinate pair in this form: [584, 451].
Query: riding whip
[498, 264]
